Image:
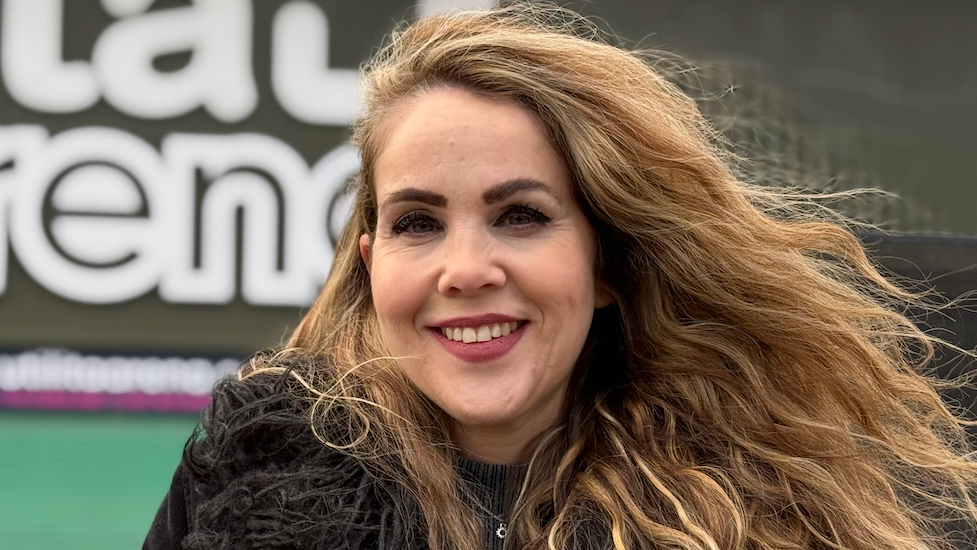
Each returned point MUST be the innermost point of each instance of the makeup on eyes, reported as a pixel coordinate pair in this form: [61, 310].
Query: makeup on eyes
[410, 219]
[532, 215]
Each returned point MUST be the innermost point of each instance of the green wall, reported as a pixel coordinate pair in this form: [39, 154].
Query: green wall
[70, 481]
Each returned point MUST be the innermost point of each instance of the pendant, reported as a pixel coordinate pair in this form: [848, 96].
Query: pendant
[500, 532]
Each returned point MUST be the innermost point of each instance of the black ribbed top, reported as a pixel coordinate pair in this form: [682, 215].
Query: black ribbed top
[496, 488]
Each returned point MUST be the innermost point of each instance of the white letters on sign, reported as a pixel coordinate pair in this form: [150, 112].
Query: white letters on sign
[303, 83]
[266, 179]
[218, 77]
[99, 216]
[217, 34]
[431, 7]
[30, 59]
[86, 254]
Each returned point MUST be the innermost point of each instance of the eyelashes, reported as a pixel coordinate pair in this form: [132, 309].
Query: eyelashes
[524, 214]
[414, 221]
[519, 216]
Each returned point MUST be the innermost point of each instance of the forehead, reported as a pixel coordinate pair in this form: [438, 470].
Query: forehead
[449, 136]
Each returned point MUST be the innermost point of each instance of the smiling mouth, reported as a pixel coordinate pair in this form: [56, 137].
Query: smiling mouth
[483, 333]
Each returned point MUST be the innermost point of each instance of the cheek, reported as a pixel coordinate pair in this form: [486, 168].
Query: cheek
[567, 292]
[568, 279]
[396, 298]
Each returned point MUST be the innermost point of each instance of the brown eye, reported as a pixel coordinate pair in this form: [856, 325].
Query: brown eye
[416, 223]
[522, 215]
[518, 218]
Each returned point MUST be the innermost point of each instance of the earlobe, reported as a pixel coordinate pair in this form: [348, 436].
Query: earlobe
[365, 250]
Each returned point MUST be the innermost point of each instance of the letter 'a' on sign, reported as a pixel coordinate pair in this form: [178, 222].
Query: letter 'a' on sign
[219, 76]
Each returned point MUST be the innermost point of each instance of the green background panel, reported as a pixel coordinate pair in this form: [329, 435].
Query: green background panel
[70, 481]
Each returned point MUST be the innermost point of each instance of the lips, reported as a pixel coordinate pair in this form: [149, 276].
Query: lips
[479, 339]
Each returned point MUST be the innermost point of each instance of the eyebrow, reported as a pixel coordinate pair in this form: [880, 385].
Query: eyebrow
[504, 190]
[496, 193]
[413, 194]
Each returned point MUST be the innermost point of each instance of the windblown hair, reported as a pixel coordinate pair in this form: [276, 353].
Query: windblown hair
[754, 385]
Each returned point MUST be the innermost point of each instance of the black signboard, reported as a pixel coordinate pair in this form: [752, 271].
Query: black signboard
[172, 172]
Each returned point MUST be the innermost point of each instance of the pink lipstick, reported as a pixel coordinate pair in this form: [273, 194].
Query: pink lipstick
[478, 352]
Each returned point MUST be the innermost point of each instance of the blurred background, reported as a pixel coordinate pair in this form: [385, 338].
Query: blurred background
[171, 186]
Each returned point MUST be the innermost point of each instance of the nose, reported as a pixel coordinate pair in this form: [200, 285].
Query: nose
[470, 264]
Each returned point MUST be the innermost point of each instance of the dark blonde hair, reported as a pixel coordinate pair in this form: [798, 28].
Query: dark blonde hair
[753, 386]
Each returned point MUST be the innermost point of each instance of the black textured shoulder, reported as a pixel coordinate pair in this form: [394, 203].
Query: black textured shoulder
[257, 477]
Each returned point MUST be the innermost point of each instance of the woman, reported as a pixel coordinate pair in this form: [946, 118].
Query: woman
[557, 320]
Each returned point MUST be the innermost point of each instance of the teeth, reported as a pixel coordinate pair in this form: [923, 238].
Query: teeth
[483, 333]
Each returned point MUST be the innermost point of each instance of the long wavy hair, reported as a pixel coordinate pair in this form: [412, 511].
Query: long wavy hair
[754, 385]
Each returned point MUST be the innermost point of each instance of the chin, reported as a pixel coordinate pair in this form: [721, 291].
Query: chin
[483, 414]
[480, 416]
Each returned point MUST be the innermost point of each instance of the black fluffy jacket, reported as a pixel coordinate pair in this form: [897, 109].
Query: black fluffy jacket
[254, 476]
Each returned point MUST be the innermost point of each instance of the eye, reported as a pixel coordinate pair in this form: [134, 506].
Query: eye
[522, 215]
[415, 223]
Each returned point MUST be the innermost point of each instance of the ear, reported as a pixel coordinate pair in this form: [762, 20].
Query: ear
[365, 250]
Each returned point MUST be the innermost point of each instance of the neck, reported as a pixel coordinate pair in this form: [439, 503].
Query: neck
[508, 442]
[495, 444]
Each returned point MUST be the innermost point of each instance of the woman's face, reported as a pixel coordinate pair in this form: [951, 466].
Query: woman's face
[482, 265]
